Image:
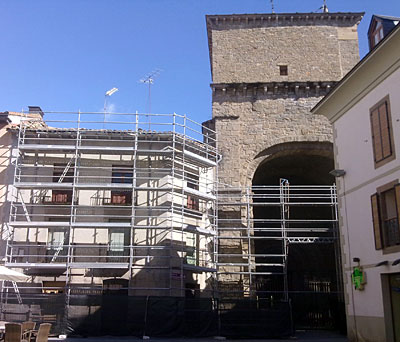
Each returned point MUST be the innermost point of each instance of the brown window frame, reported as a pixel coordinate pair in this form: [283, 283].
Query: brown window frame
[378, 33]
[379, 221]
[192, 179]
[121, 174]
[382, 137]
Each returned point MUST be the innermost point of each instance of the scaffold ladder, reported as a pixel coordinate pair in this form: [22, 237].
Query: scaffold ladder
[17, 293]
[58, 250]
[43, 192]
[66, 170]
[28, 218]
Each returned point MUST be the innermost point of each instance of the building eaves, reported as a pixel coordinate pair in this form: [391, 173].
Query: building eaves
[386, 17]
[268, 17]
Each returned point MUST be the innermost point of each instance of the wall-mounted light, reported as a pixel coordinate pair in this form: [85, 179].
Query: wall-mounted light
[337, 173]
[382, 263]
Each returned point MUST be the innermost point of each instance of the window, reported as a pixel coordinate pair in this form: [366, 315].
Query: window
[382, 136]
[61, 196]
[118, 246]
[122, 175]
[283, 70]
[376, 35]
[56, 245]
[117, 241]
[192, 183]
[55, 239]
[53, 287]
[192, 248]
[385, 213]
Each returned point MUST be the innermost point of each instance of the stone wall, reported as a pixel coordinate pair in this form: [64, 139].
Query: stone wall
[247, 125]
[254, 107]
[250, 48]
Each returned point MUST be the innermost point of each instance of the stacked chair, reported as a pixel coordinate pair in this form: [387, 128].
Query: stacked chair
[25, 332]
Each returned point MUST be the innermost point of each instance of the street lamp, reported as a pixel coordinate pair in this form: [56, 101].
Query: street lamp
[108, 94]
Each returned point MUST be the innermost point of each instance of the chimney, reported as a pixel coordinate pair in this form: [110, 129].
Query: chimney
[36, 110]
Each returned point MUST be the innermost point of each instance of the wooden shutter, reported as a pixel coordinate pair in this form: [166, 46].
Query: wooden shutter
[376, 221]
[397, 194]
[385, 130]
[376, 135]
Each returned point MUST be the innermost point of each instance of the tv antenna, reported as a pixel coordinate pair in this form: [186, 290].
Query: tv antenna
[324, 8]
[272, 6]
[149, 79]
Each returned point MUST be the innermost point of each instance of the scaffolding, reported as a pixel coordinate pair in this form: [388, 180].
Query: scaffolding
[259, 226]
[134, 200]
[134, 208]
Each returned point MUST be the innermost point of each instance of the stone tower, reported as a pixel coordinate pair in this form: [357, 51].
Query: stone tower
[268, 71]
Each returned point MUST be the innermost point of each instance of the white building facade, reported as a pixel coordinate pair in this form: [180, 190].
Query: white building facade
[364, 109]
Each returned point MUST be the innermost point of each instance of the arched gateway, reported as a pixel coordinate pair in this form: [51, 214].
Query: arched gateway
[277, 203]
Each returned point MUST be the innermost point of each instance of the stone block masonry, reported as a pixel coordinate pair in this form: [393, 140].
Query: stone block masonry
[248, 124]
[268, 71]
[254, 105]
[313, 46]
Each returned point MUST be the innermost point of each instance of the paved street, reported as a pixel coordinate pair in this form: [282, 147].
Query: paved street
[303, 336]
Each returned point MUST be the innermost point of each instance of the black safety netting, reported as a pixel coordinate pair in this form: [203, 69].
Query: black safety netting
[122, 315]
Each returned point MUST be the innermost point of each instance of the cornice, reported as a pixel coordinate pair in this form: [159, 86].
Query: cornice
[266, 19]
[273, 89]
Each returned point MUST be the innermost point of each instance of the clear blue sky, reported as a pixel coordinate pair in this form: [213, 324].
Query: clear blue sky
[63, 55]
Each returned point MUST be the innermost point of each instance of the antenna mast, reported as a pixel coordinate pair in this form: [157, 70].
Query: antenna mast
[149, 79]
[272, 6]
[325, 7]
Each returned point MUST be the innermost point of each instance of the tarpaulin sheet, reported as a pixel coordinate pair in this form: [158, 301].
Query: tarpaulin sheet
[121, 315]
[250, 318]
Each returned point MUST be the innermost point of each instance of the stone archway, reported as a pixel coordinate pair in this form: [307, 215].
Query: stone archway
[302, 163]
[311, 267]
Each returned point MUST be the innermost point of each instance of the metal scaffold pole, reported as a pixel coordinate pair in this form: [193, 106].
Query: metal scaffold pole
[80, 190]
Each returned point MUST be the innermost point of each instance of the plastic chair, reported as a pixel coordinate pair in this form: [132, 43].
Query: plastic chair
[13, 332]
[42, 335]
[27, 328]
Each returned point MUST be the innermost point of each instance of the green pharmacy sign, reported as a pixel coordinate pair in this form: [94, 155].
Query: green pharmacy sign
[358, 278]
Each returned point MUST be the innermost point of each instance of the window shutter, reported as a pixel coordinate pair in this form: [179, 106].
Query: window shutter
[397, 193]
[385, 130]
[376, 221]
[376, 135]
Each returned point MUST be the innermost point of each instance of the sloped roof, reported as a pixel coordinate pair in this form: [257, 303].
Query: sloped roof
[388, 23]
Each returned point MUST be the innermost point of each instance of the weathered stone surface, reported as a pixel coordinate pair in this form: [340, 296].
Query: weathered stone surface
[260, 124]
[256, 108]
[250, 48]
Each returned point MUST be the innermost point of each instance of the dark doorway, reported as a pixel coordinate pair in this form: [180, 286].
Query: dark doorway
[310, 254]
[114, 309]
